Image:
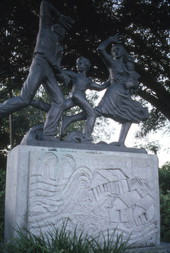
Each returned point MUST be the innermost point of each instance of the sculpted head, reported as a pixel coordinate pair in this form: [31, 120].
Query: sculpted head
[118, 52]
[82, 64]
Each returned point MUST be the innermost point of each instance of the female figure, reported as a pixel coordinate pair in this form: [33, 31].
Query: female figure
[117, 103]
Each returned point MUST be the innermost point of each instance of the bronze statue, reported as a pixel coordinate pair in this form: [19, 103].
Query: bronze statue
[80, 83]
[46, 62]
[117, 102]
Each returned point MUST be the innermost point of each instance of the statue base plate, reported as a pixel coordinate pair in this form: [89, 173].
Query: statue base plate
[103, 146]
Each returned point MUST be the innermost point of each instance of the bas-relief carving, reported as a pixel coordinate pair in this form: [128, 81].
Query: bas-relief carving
[93, 199]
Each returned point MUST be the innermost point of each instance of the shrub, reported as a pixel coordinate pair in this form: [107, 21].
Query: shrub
[164, 181]
[165, 216]
[63, 241]
[2, 202]
[164, 178]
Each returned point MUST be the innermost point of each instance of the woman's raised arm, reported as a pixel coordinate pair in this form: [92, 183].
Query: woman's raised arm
[107, 58]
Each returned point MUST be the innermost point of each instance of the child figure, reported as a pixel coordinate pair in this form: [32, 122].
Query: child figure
[132, 82]
[80, 83]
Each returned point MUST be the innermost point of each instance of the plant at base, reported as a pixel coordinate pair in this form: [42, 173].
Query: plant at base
[63, 241]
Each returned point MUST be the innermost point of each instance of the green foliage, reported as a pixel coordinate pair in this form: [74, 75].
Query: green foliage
[164, 181]
[22, 121]
[164, 178]
[76, 126]
[153, 146]
[63, 241]
[155, 121]
[2, 202]
[165, 216]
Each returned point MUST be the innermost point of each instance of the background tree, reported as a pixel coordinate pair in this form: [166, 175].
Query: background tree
[164, 179]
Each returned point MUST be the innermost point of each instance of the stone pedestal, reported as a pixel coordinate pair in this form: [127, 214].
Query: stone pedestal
[97, 191]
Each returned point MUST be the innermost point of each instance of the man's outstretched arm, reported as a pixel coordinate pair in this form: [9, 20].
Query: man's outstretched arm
[48, 12]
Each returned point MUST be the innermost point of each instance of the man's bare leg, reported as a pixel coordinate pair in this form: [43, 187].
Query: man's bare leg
[67, 120]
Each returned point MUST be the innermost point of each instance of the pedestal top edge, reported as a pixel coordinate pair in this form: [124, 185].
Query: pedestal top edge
[128, 152]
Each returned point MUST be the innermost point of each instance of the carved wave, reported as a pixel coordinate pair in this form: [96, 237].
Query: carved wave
[91, 201]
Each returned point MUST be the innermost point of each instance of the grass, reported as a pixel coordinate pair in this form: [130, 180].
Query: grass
[63, 241]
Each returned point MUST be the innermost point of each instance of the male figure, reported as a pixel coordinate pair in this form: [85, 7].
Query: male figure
[80, 83]
[47, 58]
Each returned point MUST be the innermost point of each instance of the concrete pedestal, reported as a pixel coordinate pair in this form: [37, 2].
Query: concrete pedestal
[97, 191]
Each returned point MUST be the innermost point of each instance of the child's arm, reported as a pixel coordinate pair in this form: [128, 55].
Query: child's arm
[48, 12]
[66, 76]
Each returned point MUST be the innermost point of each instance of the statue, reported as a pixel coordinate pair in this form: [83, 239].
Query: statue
[45, 69]
[45, 64]
[80, 83]
[117, 103]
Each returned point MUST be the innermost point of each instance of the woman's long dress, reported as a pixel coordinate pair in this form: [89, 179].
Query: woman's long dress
[117, 102]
